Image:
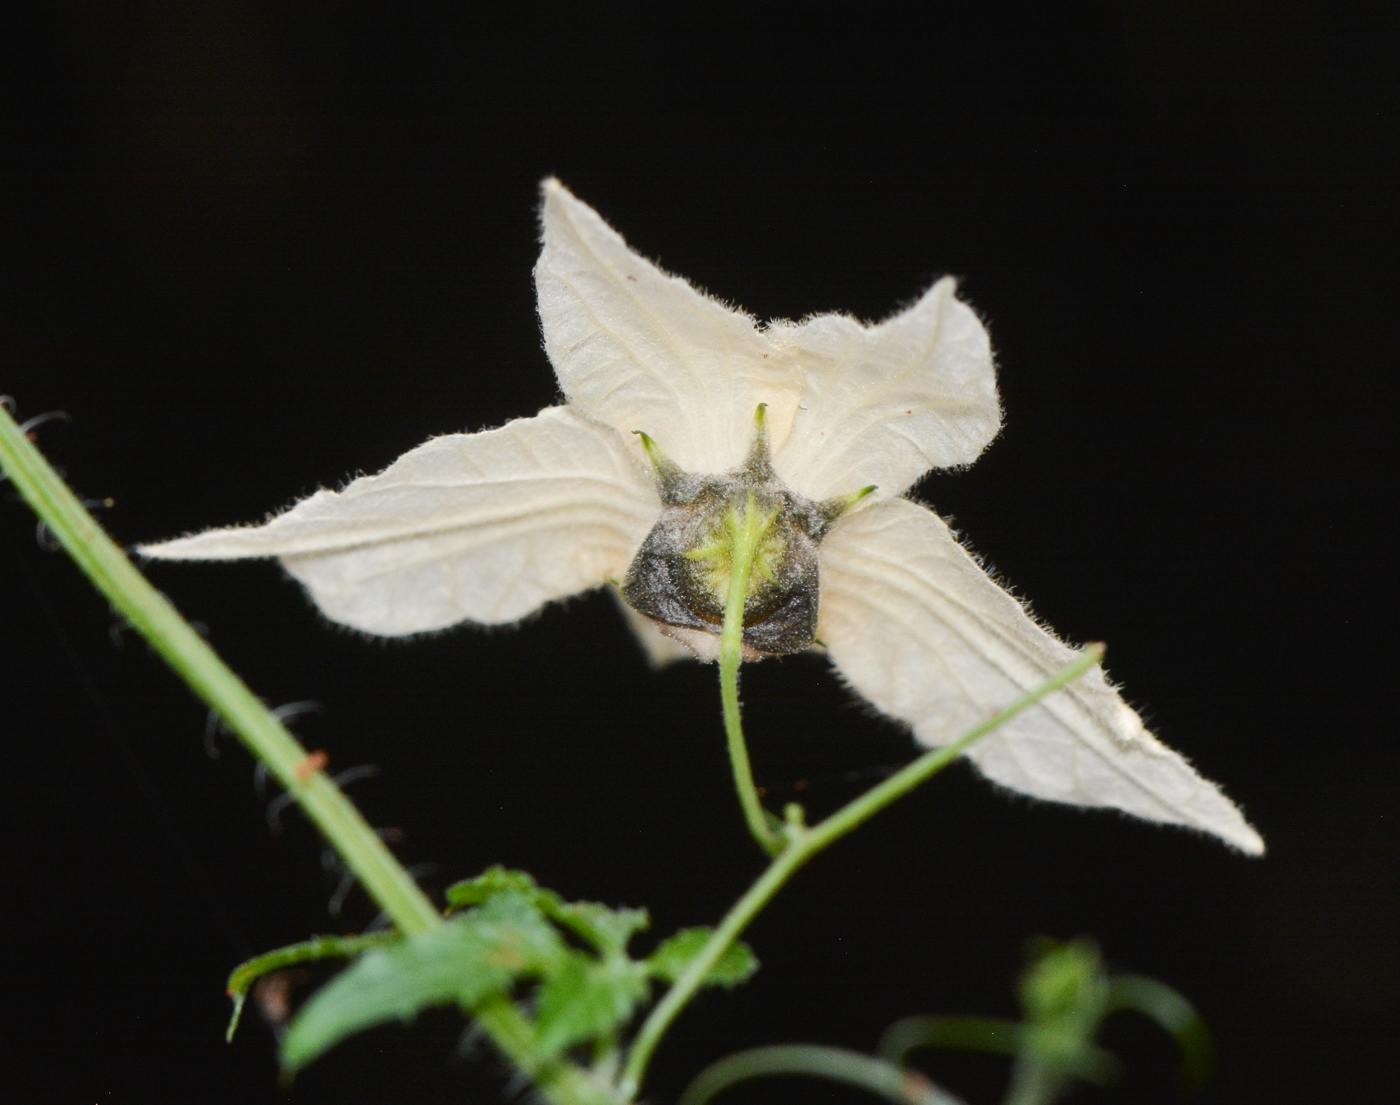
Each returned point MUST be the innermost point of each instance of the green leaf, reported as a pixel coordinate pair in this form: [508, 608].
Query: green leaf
[587, 998]
[318, 947]
[608, 930]
[669, 961]
[492, 881]
[463, 961]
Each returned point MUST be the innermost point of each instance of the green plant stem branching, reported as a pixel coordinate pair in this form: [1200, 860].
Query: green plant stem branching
[796, 843]
[152, 615]
[792, 844]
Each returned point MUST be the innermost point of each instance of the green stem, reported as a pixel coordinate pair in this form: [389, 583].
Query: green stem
[991, 1034]
[1174, 1014]
[802, 846]
[152, 615]
[905, 1087]
[746, 535]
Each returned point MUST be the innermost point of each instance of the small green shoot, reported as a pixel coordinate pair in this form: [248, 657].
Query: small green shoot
[1066, 994]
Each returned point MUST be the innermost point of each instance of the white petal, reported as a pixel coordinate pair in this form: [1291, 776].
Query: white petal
[641, 350]
[482, 527]
[884, 404]
[915, 626]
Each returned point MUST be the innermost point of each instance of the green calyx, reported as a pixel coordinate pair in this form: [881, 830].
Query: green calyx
[669, 476]
[834, 508]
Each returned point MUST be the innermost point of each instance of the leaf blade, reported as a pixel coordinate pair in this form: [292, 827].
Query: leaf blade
[674, 954]
[464, 962]
[586, 999]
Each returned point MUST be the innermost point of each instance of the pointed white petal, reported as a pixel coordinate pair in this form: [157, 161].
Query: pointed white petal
[915, 626]
[884, 404]
[661, 650]
[468, 527]
[641, 350]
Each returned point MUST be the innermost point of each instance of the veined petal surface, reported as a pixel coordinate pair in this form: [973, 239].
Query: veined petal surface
[641, 350]
[479, 527]
[915, 626]
[883, 404]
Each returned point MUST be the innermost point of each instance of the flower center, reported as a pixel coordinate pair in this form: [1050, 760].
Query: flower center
[746, 522]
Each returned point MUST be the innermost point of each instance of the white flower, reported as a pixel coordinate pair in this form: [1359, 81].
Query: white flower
[487, 527]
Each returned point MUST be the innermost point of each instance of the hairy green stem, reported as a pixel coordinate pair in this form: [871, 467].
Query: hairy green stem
[364, 853]
[802, 845]
[866, 1072]
[746, 535]
[151, 614]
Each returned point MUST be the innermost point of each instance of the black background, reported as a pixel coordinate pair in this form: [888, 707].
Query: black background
[255, 248]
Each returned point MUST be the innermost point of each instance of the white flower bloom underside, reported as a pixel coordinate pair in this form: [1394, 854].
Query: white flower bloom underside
[487, 527]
